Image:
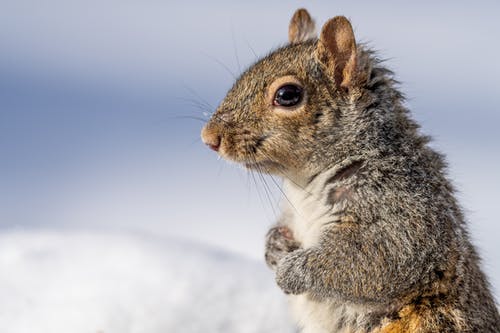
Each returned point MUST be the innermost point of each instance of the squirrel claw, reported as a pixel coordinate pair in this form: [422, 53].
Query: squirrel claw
[279, 242]
[285, 232]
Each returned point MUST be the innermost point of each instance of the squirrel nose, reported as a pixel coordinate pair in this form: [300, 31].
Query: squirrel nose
[211, 138]
[214, 146]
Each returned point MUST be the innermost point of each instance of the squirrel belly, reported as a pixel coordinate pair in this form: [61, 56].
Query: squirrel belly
[329, 317]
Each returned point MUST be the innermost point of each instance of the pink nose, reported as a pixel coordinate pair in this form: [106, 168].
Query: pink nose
[214, 146]
[211, 137]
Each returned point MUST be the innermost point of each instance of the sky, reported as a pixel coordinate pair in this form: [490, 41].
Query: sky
[94, 94]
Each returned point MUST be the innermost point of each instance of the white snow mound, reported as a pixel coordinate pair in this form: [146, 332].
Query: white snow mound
[59, 282]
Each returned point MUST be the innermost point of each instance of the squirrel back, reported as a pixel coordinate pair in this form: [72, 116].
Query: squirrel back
[371, 238]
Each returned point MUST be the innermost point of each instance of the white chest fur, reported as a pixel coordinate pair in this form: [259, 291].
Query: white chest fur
[329, 316]
[306, 212]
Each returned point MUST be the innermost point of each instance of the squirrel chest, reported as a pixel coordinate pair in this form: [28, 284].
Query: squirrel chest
[309, 209]
[306, 212]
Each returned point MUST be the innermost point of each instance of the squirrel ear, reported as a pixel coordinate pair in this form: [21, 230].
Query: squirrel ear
[336, 50]
[301, 27]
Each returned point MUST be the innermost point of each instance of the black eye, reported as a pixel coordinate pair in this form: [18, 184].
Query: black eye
[288, 95]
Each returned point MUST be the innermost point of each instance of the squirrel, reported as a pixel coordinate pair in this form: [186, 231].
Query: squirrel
[371, 237]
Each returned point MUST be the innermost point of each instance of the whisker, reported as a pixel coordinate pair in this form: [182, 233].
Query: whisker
[235, 48]
[279, 187]
[222, 64]
[189, 117]
[289, 178]
[283, 193]
[285, 174]
[194, 102]
[205, 110]
[221, 119]
[195, 141]
[251, 49]
[201, 99]
[271, 198]
[220, 167]
[267, 190]
[190, 144]
[257, 187]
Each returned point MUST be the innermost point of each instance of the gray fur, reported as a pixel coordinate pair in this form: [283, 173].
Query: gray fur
[380, 243]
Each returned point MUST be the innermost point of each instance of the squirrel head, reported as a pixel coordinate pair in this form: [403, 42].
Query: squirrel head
[285, 106]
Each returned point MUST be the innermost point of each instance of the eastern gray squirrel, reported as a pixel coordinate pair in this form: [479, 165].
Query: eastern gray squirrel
[371, 238]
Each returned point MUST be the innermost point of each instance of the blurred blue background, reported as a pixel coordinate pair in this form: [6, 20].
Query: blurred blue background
[93, 95]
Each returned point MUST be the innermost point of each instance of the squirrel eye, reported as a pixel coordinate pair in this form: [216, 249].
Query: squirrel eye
[288, 95]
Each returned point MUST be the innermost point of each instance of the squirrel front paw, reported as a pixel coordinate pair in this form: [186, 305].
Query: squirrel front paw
[279, 242]
[291, 274]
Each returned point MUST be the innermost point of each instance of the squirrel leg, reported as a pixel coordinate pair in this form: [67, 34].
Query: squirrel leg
[292, 275]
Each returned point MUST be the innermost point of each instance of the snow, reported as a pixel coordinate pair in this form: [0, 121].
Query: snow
[74, 281]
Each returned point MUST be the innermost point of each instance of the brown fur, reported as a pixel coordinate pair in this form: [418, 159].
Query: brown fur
[337, 50]
[301, 27]
[427, 316]
[379, 241]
